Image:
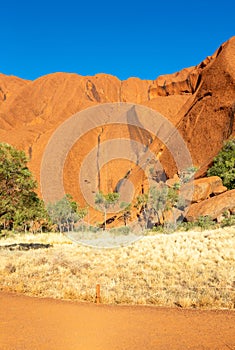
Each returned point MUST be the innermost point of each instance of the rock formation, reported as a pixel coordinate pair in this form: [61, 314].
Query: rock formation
[213, 207]
[199, 101]
[207, 118]
[204, 188]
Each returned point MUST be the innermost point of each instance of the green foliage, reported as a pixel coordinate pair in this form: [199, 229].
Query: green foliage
[20, 206]
[186, 226]
[155, 202]
[224, 165]
[65, 213]
[31, 214]
[105, 202]
[143, 205]
[188, 174]
[158, 229]
[176, 186]
[228, 221]
[205, 222]
[123, 230]
[158, 198]
[172, 197]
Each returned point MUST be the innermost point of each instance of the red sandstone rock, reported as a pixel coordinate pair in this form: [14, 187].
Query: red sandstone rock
[203, 188]
[208, 116]
[213, 207]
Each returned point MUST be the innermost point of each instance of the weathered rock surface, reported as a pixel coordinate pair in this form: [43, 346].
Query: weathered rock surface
[213, 207]
[207, 118]
[203, 188]
[180, 83]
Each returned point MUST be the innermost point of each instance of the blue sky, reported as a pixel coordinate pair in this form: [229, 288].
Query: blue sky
[124, 38]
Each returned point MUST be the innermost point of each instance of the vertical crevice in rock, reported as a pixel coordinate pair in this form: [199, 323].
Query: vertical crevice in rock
[3, 95]
[98, 157]
[231, 119]
[30, 152]
[199, 79]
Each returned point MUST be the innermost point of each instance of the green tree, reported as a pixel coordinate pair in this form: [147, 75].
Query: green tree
[142, 205]
[224, 165]
[31, 214]
[105, 201]
[19, 203]
[152, 204]
[155, 202]
[126, 207]
[65, 213]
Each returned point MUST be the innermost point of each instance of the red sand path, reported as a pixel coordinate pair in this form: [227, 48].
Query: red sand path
[33, 323]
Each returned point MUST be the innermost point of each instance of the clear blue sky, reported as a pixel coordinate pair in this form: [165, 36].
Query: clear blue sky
[124, 38]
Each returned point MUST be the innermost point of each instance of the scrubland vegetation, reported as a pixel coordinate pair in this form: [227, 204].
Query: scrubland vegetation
[184, 269]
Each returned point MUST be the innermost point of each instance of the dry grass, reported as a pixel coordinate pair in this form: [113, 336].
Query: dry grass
[188, 269]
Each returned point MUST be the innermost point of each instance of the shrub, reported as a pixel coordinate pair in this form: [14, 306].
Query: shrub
[223, 165]
[205, 222]
[228, 221]
[123, 230]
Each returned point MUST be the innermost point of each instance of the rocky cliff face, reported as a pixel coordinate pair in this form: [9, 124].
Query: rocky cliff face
[199, 100]
[207, 118]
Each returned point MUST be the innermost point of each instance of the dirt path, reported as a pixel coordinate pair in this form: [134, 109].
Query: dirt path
[32, 324]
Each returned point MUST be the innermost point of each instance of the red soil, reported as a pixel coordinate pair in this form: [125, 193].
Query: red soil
[33, 324]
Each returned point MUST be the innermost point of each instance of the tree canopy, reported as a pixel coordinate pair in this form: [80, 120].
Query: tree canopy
[106, 201]
[19, 203]
[65, 213]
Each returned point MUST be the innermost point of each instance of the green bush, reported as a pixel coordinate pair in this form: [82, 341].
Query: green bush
[186, 226]
[123, 230]
[228, 221]
[205, 222]
[224, 165]
[158, 228]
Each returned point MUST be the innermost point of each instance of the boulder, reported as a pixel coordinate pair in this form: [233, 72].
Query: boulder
[219, 190]
[213, 207]
[203, 188]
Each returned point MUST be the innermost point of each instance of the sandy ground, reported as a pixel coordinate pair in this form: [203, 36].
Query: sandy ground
[33, 323]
